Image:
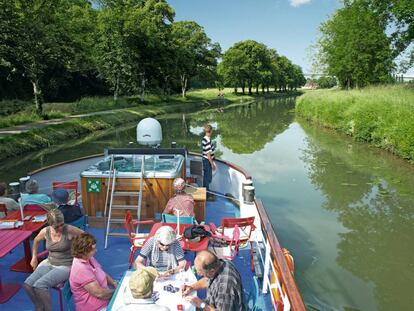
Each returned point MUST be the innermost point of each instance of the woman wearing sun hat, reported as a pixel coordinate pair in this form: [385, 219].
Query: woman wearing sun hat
[163, 251]
[141, 285]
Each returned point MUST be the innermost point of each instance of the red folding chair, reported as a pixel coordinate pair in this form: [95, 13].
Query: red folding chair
[228, 247]
[137, 239]
[71, 186]
[3, 209]
[246, 227]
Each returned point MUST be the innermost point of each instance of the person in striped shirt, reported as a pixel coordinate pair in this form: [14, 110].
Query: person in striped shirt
[208, 156]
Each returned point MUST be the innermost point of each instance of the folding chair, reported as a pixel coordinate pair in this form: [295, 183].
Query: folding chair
[246, 226]
[71, 186]
[172, 219]
[137, 239]
[228, 246]
[3, 209]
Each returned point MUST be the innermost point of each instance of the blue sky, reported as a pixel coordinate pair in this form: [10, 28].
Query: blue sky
[289, 26]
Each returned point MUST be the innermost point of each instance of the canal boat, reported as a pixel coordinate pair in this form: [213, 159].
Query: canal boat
[140, 180]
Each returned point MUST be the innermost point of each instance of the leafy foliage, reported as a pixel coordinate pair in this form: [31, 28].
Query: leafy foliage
[355, 47]
[380, 115]
[251, 64]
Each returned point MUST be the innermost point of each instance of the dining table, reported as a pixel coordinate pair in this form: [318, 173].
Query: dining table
[187, 245]
[9, 240]
[23, 265]
[166, 292]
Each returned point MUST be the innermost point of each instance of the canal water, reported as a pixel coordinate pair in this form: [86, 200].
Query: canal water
[344, 209]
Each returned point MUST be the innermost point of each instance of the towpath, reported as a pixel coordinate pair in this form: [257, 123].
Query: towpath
[17, 129]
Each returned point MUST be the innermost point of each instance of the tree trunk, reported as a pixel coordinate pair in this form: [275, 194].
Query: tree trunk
[267, 89]
[263, 89]
[38, 100]
[243, 90]
[235, 90]
[257, 89]
[116, 89]
[142, 97]
[184, 85]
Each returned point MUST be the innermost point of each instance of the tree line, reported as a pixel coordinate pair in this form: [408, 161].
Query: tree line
[65, 49]
[249, 64]
[362, 42]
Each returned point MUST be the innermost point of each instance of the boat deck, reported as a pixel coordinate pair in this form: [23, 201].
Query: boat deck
[115, 260]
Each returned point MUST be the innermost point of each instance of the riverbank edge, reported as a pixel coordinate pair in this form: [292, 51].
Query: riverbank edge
[380, 116]
[52, 135]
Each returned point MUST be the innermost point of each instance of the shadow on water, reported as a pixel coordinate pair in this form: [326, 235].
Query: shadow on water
[371, 192]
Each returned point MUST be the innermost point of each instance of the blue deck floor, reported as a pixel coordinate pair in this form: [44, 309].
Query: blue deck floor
[115, 260]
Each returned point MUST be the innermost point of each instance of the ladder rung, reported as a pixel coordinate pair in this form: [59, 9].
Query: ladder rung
[126, 193]
[124, 206]
[121, 234]
[117, 221]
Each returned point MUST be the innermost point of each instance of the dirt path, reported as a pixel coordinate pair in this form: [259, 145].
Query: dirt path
[17, 129]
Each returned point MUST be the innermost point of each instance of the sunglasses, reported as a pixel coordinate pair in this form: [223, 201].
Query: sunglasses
[164, 245]
[58, 226]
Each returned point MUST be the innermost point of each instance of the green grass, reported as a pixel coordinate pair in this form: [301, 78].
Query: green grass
[18, 112]
[383, 116]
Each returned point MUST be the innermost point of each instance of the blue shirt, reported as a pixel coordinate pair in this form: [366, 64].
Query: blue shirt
[35, 198]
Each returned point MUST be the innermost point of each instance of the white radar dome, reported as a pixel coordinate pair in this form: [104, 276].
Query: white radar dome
[149, 132]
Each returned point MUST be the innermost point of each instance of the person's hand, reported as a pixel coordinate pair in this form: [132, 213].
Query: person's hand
[213, 166]
[34, 262]
[164, 275]
[195, 301]
[187, 289]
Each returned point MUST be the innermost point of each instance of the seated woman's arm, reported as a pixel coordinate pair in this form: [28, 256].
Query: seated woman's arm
[41, 236]
[97, 291]
[110, 281]
[140, 262]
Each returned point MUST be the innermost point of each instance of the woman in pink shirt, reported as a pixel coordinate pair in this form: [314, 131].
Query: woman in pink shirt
[90, 285]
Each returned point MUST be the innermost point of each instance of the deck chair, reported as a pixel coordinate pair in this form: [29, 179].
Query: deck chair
[226, 247]
[3, 209]
[172, 219]
[65, 294]
[70, 186]
[137, 239]
[246, 226]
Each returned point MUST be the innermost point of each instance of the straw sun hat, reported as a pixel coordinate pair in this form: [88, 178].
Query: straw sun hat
[141, 282]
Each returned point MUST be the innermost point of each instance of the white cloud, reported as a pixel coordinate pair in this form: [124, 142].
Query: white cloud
[296, 3]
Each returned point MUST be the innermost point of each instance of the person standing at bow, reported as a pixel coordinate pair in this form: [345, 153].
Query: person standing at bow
[208, 157]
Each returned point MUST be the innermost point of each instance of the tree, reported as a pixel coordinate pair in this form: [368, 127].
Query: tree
[355, 48]
[326, 82]
[194, 51]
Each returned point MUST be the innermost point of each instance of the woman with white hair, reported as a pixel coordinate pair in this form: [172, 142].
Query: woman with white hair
[163, 251]
[181, 203]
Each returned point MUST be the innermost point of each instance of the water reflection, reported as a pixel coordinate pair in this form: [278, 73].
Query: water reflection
[369, 190]
[247, 128]
[344, 209]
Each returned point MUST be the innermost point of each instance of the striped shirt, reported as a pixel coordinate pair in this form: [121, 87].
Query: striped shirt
[208, 147]
[225, 292]
[162, 262]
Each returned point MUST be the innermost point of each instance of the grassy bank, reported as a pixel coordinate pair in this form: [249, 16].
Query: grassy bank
[37, 139]
[14, 112]
[383, 116]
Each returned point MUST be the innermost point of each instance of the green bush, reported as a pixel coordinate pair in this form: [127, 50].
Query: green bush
[382, 115]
